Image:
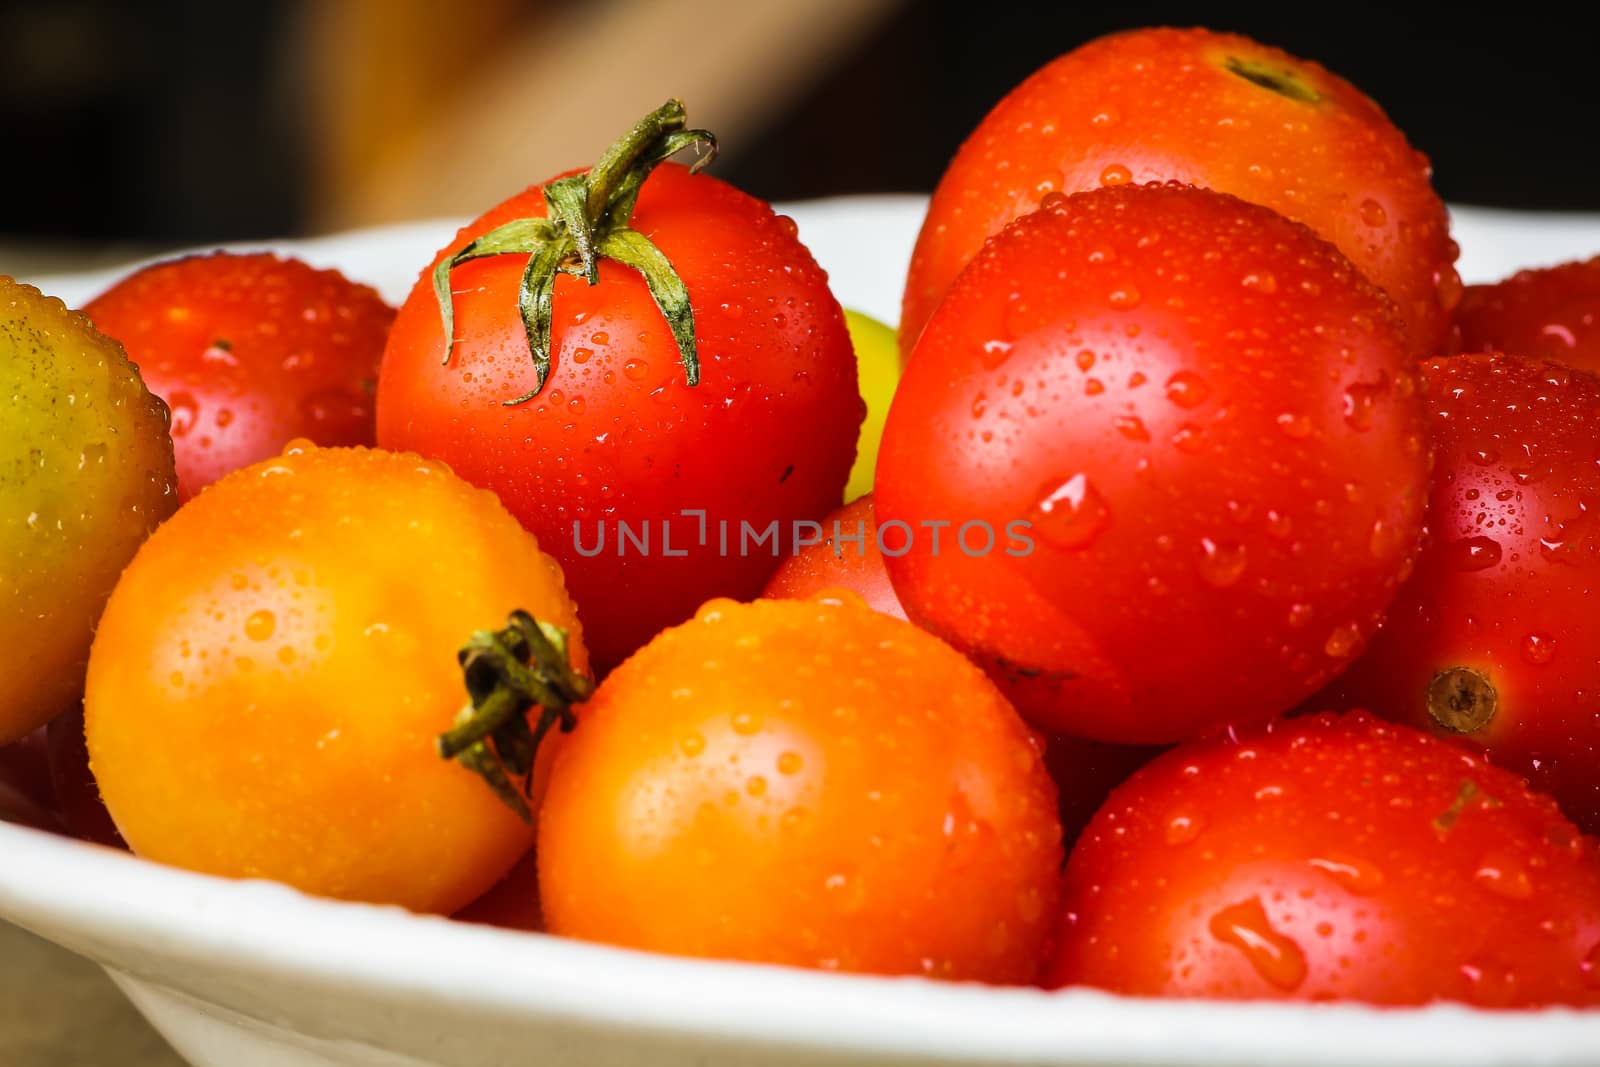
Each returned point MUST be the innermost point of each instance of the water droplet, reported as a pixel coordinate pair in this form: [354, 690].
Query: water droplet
[995, 352]
[1447, 286]
[1181, 829]
[1472, 553]
[635, 369]
[1131, 427]
[1186, 438]
[1504, 877]
[184, 413]
[1260, 281]
[1116, 174]
[755, 785]
[1372, 213]
[1296, 427]
[746, 723]
[1106, 116]
[1275, 957]
[1342, 641]
[260, 625]
[790, 763]
[1360, 404]
[1187, 389]
[845, 892]
[600, 339]
[1538, 648]
[1590, 967]
[1386, 540]
[1221, 562]
[692, 744]
[1279, 524]
[1094, 387]
[1299, 614]
[1124, 297]
[1072, 514]
[980, 404]
[790, 228]
[1352, 875]
[582, 355]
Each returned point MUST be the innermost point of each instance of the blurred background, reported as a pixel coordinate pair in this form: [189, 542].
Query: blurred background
[133, 125]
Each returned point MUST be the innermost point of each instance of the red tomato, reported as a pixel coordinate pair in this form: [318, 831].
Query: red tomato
[1333, 857]
[851, 560]
[617, 434]
[1207, 420]
[1495, 640]
[249, 352]
[1553, 313]
[1215, 110]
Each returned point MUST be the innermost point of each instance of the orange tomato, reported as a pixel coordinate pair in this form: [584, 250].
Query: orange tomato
[804, 782]
[271, 674]
[1209, 109]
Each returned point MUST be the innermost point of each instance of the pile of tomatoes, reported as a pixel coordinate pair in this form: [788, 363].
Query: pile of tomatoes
[1214, 624]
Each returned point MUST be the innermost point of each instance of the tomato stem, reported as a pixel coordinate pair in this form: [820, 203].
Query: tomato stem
[507, 672]
[587, 221]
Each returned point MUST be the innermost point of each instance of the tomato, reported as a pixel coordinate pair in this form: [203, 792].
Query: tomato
[804, 782]
[1494, 640]
[85, 475]
[250, 352]
[848, 556]
[1333, 857]
[1552, 313]
[1210, 109]
[617, 433]
[878, 366]
[1200, 427]
[271, 674]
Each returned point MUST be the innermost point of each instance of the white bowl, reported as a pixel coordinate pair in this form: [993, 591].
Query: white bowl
[250, 974]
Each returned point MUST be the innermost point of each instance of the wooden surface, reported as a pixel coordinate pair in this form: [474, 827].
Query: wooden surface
[57, 1010]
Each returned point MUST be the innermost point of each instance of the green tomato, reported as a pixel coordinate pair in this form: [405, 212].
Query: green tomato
[86, 474]
[878, 366]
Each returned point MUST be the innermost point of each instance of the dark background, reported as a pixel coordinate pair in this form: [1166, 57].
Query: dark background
[162, 120]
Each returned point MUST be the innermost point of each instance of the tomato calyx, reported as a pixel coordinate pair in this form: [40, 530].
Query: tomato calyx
[507, 672]
[1285, 83]
[587, 222]
[1462, 700]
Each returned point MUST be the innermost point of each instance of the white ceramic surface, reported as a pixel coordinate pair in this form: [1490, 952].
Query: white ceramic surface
[249, 974]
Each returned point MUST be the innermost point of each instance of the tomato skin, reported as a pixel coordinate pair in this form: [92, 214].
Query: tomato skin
[617, 434]
[1551, 314]
[1161, 104]
[809, 783]
[1333, 857]
[852, 565]
[250, 351]
[271, 674]
[1505, 585]
[1210, 422]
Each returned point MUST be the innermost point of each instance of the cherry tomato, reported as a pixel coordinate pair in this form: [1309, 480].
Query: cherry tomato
[805, 782]
[616, 434]
[270, 676]
[1215, 110]
[848, 556]
[1495, 641]
[1206, 422]
[1333, 857]
[878, 366]
[85, 475]
[249, 352]
[1552, 313]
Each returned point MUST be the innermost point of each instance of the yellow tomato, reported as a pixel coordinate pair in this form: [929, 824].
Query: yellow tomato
[271, 675]
[878, 367]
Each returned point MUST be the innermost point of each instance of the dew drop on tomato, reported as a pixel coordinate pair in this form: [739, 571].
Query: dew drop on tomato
[1071, 514]
[1473, 553]
[1275, 957]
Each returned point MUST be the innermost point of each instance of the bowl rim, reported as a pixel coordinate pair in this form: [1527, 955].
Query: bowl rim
[117, 907]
